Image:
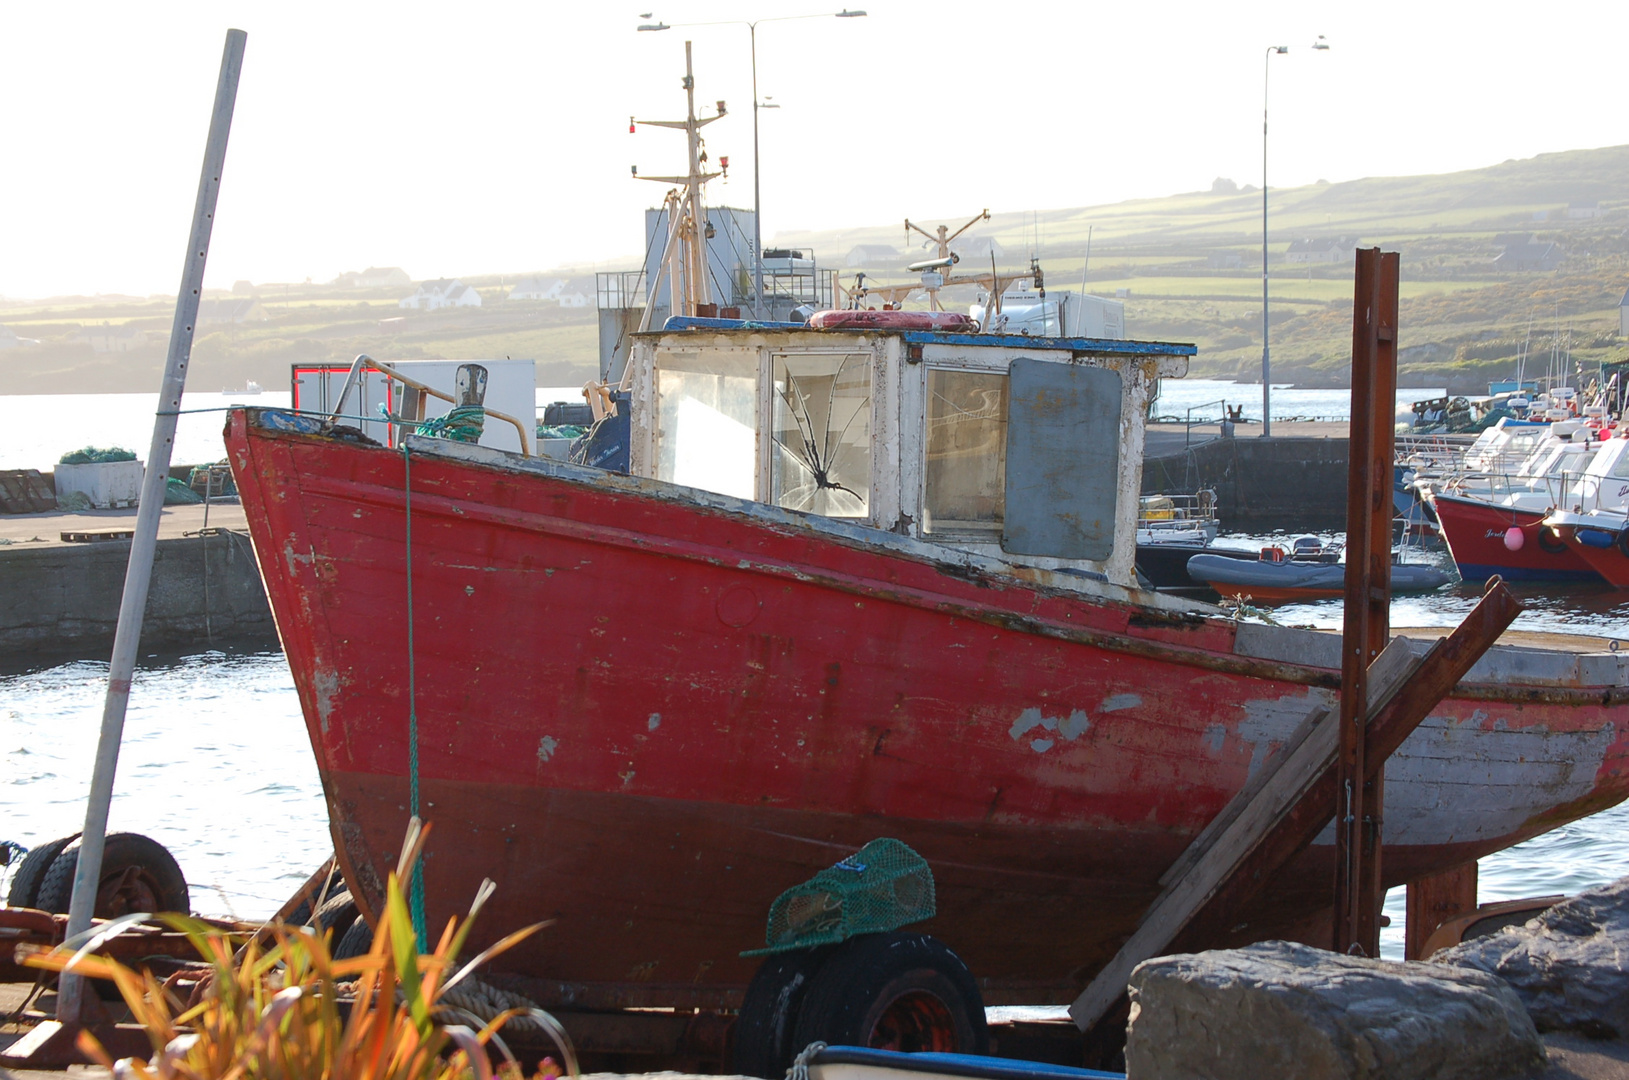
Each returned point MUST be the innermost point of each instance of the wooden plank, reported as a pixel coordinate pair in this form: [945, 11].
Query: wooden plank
[1214, 855]
[1432, 901]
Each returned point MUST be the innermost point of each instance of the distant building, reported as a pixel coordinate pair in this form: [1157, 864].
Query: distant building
[978, 250]
[374, 277]
[536, 288]
[243, 288]
[1330, 249]
[1583, 211]
[237, 310]
[871, 255]
[1524, 253]
[112, 339]
[1623, 315]
[10, 340]
[442, 293]
[1225, 260]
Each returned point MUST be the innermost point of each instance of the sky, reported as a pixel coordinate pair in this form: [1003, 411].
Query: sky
[492, 137]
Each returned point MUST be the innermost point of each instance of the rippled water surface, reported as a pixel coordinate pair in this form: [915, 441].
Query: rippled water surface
[215, 765]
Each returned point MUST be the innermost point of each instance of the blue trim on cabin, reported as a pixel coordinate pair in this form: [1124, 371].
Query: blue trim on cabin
[1021, 341]
[693, 322]
[933, 337]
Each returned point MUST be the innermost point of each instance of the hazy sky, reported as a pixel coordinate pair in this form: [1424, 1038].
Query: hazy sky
[466, 138]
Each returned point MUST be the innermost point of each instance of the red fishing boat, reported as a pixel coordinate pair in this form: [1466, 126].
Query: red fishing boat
[1600, 538]
[858, 584]
[1487, 538]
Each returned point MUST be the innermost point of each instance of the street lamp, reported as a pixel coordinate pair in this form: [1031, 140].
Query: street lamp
[757, 201]
[1321, 45]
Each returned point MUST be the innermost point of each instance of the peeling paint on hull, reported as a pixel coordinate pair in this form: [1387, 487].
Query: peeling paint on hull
[866, 690]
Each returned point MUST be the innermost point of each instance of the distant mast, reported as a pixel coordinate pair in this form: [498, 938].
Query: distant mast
[684, 254]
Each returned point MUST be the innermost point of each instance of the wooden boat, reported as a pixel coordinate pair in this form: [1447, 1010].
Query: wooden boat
[858, 584]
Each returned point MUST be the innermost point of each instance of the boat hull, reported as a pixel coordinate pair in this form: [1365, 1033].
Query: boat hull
[1608, 555]
[645, 712]
[1475, 530]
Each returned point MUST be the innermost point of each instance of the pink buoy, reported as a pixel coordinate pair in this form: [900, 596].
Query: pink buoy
[1514, 539]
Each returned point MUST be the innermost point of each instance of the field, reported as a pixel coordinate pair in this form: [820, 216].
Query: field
[1189, 267]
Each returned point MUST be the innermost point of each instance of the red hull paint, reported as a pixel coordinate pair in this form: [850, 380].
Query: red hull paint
[1475, 533]
[647, 717]
[1611, 563]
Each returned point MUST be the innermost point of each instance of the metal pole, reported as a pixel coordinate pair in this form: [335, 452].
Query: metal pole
[1266, 362]
[138, 574]
[757, 200]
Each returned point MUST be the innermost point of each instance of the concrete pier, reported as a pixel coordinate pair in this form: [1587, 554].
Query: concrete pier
[1293, 480]
[62, 598]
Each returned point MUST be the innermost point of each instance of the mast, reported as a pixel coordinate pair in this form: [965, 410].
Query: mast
[684, 259]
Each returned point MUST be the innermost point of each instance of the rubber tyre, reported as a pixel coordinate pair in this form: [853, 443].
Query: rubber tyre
[1549, 541]
[356, 941]
[25, 884]
[897, 991]
[336, 914]
[767, 1024]
[155, 881]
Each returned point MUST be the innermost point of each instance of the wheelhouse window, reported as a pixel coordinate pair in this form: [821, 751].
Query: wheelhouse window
[821, 423]
[966, 467]
[706, 420]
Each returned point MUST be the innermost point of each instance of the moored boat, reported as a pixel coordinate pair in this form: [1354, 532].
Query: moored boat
[830, 603]
[1486, 539]
[1600, 538]
[1277, 579]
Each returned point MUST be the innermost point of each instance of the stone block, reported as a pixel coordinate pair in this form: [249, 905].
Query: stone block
[1570, 965]
[1278, 1009]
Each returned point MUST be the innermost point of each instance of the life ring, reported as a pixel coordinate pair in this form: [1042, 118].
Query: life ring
[1549, 541]
[947, 321]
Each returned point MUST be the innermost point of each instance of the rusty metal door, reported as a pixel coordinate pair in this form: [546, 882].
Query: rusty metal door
[1063, 460]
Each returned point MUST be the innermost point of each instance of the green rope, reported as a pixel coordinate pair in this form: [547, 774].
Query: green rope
[464, 423]
[416, 889]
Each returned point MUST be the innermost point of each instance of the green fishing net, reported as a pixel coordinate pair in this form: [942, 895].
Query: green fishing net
[881, 887]
[94, 455]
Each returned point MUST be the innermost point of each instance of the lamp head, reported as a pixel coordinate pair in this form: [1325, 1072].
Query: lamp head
[1321, 45]
[654, 26]
[1279, 49]
[847, 14]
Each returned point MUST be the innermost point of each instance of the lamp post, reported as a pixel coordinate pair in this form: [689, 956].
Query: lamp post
[757, 201]
[1321, 45]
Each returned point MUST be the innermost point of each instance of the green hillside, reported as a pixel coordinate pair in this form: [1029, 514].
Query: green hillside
[1189, 266]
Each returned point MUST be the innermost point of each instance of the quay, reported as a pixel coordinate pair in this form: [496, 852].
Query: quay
[61, 597]
[1293, 479]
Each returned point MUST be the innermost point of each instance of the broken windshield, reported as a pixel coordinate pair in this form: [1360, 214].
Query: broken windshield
[822, 433]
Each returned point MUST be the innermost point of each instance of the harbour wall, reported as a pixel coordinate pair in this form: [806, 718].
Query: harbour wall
[1273, 483]
[63, 599]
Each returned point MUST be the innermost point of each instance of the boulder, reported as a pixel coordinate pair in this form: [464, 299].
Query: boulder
[1279, 1009]
[1570, 965]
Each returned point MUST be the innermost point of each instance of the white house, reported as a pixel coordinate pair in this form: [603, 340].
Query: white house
[536, 288]
[1333, 249]
[441, 293]
[10, 340]
[111, 339]
[864, 255]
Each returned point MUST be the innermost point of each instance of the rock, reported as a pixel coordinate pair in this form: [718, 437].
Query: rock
[1570, 965]
[1278, 1009]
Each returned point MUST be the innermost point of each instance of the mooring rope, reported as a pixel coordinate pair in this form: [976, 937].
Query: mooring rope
[416, 889]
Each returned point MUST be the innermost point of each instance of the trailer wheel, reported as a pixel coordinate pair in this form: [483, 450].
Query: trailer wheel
[25, 885]
[769, 1013]
[138, 874]
[897, 991]
[356, 941]
[336, 915]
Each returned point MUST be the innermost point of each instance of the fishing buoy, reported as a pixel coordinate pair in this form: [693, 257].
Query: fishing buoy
[1514, 538]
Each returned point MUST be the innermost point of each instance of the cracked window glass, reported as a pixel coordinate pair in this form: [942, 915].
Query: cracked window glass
[822, 429]
[966, 468]
[707, 407]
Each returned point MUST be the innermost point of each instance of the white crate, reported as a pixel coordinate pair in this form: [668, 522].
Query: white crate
[108, 484]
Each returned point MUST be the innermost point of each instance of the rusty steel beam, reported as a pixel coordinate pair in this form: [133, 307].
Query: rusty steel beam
[1367, 624]
[1449, 660]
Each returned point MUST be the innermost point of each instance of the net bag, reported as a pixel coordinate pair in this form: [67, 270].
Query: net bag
[881, 887]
